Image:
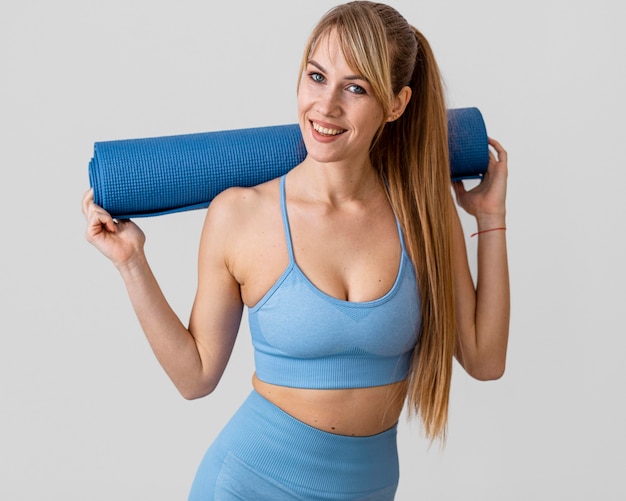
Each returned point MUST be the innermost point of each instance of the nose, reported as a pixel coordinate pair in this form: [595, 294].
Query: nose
[329, 102]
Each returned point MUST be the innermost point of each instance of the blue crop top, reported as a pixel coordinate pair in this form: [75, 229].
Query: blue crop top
[304, 338]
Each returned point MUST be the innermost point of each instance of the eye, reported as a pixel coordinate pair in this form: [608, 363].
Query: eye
[356, 89]
[316, 77]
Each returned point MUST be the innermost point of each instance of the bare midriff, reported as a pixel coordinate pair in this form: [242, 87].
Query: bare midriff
[356, 412]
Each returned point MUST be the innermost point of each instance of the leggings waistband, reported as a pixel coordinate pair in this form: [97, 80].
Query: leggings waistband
[297, 454]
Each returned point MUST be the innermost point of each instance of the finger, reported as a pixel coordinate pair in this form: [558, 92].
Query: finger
[109, 222]
[502, 153]
[96, 215]
[459, 189]
[90, 207]
[99, 219]
[87, 201]
[496, 144]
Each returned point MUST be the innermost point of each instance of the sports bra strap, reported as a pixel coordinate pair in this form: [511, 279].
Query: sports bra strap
[283, 207]
[401, 236]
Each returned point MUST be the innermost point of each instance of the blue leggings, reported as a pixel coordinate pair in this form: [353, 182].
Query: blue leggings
[265, 454]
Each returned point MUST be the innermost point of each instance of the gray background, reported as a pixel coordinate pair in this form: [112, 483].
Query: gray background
[87, 413]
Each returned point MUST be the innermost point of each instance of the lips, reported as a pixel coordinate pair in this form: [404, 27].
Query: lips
[326, 131]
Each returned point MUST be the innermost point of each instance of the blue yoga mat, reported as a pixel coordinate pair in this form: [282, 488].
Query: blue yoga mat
[154, 176]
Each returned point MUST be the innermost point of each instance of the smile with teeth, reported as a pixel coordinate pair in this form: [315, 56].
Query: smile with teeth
[327, 132]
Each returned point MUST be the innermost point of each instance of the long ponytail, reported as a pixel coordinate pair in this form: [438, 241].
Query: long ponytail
[412, 157]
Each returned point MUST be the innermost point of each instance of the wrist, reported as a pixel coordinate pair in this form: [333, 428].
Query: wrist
[490, 225]
[487, 222]
[133, 267]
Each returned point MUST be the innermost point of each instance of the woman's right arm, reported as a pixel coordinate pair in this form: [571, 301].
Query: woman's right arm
[195, 357]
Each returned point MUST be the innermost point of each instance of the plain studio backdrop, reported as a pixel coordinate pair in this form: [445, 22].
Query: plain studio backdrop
[86, 411]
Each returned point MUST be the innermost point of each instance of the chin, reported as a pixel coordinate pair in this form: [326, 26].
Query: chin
[324, 153]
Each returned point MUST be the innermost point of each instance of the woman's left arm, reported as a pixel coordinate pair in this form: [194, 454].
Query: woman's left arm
[483, 310]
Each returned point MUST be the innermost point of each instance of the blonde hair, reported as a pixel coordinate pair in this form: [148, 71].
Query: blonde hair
[411, 156]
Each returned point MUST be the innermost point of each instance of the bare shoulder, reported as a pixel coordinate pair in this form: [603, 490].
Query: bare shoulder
[240, 222]
[237, 208]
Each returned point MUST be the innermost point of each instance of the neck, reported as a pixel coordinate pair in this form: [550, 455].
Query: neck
[335, 183]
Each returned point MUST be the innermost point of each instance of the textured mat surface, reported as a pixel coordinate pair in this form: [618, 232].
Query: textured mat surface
[161, 175]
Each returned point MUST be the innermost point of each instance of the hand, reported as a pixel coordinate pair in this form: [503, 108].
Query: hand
[487, 200]
[120, 241]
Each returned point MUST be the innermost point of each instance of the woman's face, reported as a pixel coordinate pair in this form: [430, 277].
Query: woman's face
[337, 110]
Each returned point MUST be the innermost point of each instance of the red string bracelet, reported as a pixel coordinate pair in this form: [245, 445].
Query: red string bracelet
[485, 231]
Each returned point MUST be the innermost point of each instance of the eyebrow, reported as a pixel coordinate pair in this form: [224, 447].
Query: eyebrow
[347, 77]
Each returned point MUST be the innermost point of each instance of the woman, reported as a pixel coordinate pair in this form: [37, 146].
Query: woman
[354, 270]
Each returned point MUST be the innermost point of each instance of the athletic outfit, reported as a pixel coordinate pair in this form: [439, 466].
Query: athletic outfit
[304, 338]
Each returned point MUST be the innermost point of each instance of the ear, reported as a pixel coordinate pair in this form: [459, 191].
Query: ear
[399, 103]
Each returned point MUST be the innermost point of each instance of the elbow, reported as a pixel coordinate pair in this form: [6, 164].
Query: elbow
[190, 395]
[485, 364]
[485, 370]
[490, 372]
[194, 392]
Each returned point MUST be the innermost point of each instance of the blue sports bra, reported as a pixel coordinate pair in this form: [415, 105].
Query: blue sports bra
[304, 338]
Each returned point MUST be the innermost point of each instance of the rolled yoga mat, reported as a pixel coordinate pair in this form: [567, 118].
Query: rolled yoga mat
[154, 176]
